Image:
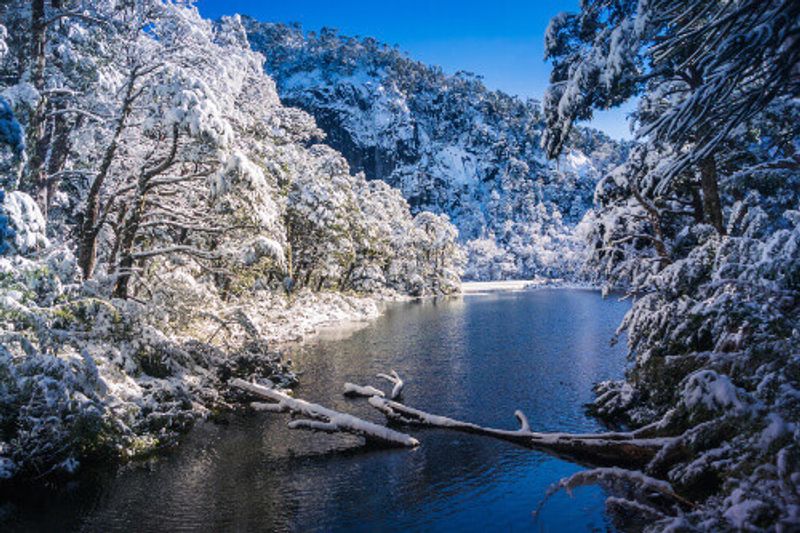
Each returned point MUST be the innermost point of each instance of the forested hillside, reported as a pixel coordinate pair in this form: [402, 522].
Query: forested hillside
[449, 144]
[164, 215]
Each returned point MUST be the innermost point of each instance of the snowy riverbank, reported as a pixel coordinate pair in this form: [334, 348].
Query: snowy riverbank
[479, 287]
[307, 314]
[473, 288]
[98, 379]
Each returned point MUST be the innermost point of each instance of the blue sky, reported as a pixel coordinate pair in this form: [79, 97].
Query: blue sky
[501, 40]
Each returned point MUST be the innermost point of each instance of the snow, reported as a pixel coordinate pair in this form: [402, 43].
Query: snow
[449, 145]
[224, 231]
[455, 163]
[217, 236]
[308, 313]
[739, 508]
[27, 221]
[483, 287]
[351, 389]
[711, 390]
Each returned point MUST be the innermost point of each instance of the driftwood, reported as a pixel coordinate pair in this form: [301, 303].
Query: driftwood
[353, 390]
[619, 449]
[630, 449]
[319, 418]
[635, 450]
[394, 378]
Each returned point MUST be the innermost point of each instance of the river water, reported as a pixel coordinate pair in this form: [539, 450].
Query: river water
[476, 358]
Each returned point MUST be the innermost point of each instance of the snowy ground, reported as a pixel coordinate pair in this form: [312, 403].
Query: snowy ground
[484, 287]
[312, 315]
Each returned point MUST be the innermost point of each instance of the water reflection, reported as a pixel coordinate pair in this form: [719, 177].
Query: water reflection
[477, 358]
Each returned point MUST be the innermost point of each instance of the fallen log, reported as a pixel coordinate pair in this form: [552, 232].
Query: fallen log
[353, 390]
[319, 418]
[637, 450]
[595, 449]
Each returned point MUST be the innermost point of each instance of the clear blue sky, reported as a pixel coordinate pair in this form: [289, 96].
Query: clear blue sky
[501, 40]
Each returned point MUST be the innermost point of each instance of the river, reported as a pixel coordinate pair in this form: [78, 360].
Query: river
[476, 358]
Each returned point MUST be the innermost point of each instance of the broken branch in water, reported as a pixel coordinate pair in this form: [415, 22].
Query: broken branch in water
[397, 390]
[319, 418]
[636, 449]
[353, 390]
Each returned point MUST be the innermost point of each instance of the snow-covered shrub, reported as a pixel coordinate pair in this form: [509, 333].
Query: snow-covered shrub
[700, 225]
[204, 221]
[714, 335]
[82, 377]
[53, 412]
[25, 220]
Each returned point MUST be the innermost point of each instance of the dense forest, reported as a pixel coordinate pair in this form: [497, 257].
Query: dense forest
[166, 217]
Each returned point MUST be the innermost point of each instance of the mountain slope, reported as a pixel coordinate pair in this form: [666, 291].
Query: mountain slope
[448, 143]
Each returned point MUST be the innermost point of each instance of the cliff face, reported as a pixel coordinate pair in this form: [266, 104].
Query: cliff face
[448, 143]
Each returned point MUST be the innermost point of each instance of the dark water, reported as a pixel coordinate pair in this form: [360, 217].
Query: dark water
[477, 358]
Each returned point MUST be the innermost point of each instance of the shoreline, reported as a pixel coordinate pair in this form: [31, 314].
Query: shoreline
[481, 288]
[141, 389]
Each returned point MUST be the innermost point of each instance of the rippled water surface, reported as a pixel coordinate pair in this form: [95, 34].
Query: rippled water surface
[476, 358]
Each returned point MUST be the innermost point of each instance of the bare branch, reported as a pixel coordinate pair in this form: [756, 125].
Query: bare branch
[189, 250]
[397, 390]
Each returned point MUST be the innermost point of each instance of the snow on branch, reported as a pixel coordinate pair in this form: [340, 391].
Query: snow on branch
[319, 418]
[606, 475]
[612, 448]
[353, 390]
[394, 378]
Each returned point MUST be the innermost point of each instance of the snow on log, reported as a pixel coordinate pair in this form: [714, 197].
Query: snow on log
[591, 449]
[397, 390]
[266, 407]
[353, 390]
[319, 418]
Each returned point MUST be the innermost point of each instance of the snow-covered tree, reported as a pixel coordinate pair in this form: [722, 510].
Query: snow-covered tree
[700, 224]
[167, 203]
[448, 143]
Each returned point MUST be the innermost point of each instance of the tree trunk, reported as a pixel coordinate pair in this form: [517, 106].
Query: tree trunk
[655, 221]
[59, 151]
[697, 204]
[130, 228]
[118, 225]
[344, 282]
[711, 202]
[87, 247]
[129, 231]
[35, 180]
[599, 449]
